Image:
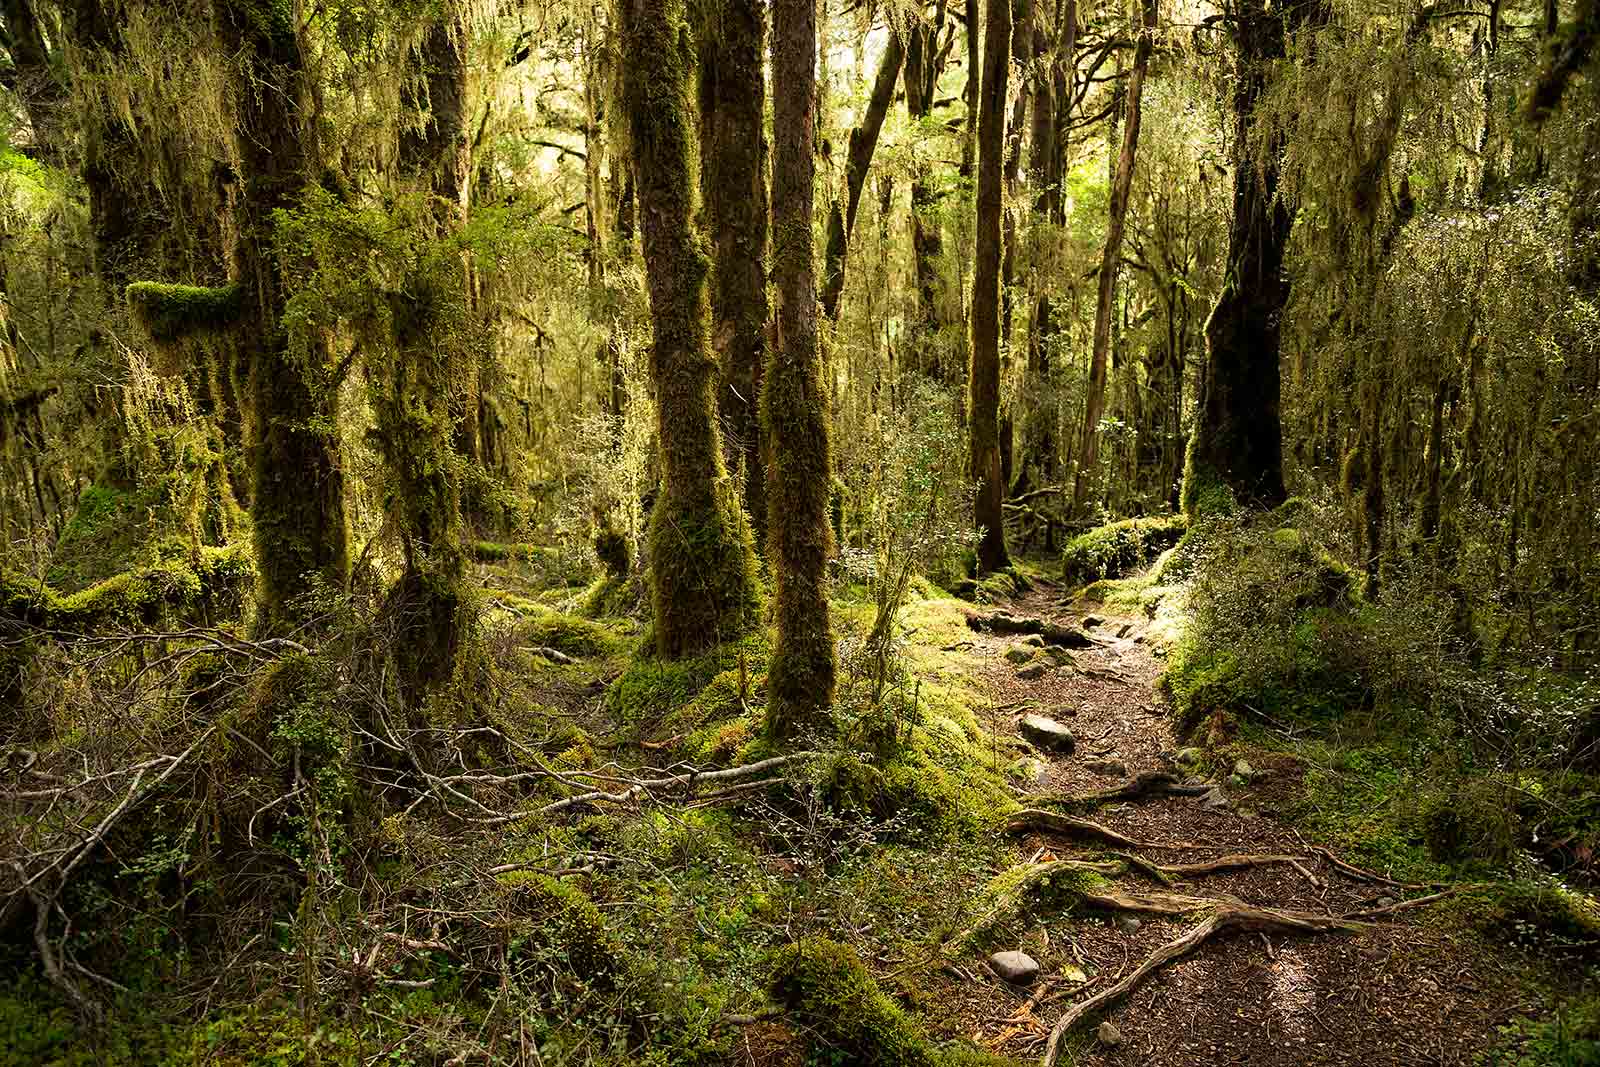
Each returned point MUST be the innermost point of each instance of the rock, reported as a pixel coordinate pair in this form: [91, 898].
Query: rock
[1108, 1034]
[1018, 654]
[1030, 770]
[1047, 733]
[1091, 621]
[1032, 672]
[1216, 799]
[1188, 756]
[1387, 902]
[1112, 768]
[1195, 779]
[1033, 641]
[1128, 924]
[1014, 966]
[1243, 769]
[1237, 782]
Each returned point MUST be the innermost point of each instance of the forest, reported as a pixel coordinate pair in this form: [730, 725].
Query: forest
[904, 533]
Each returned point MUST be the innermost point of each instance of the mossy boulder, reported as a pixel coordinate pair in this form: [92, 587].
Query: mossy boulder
[828, 990]
[1114, 550]
[555, 922]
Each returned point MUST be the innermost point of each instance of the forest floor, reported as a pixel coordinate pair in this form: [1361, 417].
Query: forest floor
[1411, 986]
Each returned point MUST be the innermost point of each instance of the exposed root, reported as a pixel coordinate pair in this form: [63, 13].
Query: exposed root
[1148, 784]
[1149, 903]
[1414, 902]
[1051, 822]
[1360, 875]
[1226, 863]
[1228, 918]
[1005, 623]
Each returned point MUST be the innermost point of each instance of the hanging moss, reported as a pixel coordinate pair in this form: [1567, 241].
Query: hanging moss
[169, 312]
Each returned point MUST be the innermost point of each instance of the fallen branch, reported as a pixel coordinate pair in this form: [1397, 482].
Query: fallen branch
[1005, 623]
[1351, 871]
[1051, 822]
[1227, 918]
[1415, 902]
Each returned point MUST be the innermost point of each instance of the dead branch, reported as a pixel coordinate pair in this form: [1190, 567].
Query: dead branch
[1228, 918]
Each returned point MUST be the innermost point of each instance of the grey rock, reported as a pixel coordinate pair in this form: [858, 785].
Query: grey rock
[1243, 769]
[1030, 770]
[1216, 799]
[1387, 902]
[1113, 768]
[1188, 756]
[1018, 654]
[1047, 733]
[1108, 1034]
[1032, 672]
[1128, 924]
[1194, 779]
[1014, 966]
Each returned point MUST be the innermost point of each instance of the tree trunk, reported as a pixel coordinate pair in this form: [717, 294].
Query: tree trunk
[298, 506]
[923, 64]
[35, 80]
[733, 182]
[1235, 452]
[415, 402]
[702, 564]
[983, 374]
[794, 407]
[1110, 262]
[863, 142]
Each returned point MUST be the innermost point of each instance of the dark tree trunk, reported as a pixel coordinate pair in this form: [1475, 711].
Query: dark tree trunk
[298, 507]
[984, 371]
[863, 142]
[35, 80]
[1110, 263]
[702, 564]
[794, 406]
[733, 182]
[1236, 449]
[924, 61]
[415, 400]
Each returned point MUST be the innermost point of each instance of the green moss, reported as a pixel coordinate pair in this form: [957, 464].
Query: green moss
[1535, 914]
[1205, 494]
[544, 627]
[170, 312]
[1113, 550]
[1025, 890]
[208, 584]
[651, 689]
[556, 922]
[824, 985]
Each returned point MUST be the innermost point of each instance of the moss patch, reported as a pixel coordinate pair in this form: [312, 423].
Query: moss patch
[1114, 550]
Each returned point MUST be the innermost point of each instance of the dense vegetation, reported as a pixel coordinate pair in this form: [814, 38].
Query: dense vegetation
[540, 533]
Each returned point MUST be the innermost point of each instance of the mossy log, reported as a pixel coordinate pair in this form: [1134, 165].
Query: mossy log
[213, 579]
[171, 312]
[1002, 622]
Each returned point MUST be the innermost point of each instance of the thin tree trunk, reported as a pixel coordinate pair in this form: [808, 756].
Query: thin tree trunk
[923, 64]
[794, 406]
[1110, 263]
[984, 372]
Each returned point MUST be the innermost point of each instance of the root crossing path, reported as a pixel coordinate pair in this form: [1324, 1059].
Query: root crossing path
[1215, 933]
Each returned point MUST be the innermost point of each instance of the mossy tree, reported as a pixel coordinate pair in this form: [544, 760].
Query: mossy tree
[733, 183]
[983, 376]
[298, 484]
[432, 373]
[924, 63]
[702, 562]
[794, 404]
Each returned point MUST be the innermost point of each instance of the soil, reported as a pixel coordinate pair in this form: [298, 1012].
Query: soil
[1406, 989]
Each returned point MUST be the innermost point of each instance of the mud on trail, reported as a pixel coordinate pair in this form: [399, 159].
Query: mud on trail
[1400, 987]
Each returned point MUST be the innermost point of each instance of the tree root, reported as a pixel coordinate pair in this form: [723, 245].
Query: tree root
[1148, 784]
[1228, 918]
[1051, 822]
[1005, 623]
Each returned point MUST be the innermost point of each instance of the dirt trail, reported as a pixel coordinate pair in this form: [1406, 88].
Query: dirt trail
[1401, 991]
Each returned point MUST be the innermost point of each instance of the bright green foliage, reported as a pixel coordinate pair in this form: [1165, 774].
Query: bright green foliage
[169, 312]
[1112, 551]
[556, 922]
[829, 991]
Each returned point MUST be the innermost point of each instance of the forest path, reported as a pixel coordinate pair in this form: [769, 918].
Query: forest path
[1402, 990]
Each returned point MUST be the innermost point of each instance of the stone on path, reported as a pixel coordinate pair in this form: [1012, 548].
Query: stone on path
[1215, 799]
[1032, 672]
[1091, 621]
[1014, 966]
[1047, 733]
[1128, 924]
[1108, 1034]
[1030, 770]
[1018, 654]
[1111, 768]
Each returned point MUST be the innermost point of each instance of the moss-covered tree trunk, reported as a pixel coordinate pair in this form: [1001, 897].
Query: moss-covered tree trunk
[794, 405]
[433, 376]
[733, 184]
[34, 79]
[924, 62]
[1237, 447]
[298, 503]
[983, 374]
[1111, 262]
[702, 563]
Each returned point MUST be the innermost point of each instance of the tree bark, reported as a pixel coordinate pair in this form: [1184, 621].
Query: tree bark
[733, 182]
[702, 563]
[863, 142]
[1235, 453]
[794, 406]
[298, 507]
[983, 375]
[924, 62]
